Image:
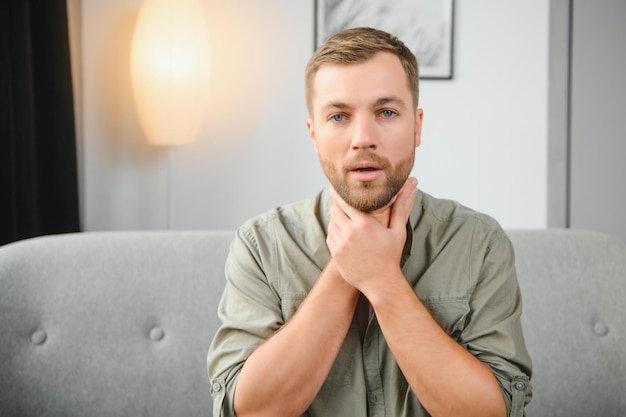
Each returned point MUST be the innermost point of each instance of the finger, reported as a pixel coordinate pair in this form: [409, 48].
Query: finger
[338, 217]
[349, 211]
[330, 237]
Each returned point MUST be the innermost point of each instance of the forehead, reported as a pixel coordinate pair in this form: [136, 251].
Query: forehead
[368, 81]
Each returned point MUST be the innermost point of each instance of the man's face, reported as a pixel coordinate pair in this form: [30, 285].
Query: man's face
[365, 129]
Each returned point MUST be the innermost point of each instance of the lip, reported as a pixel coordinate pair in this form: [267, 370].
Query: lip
[365, 165]
[366, 171]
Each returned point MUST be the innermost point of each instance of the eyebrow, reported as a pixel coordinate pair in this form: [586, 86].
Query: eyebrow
[335, 105]
[393, 100]
[379, 102]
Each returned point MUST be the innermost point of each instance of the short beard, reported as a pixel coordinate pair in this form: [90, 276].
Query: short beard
[366, 196]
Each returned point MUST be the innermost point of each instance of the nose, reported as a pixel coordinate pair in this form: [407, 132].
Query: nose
[364, 134]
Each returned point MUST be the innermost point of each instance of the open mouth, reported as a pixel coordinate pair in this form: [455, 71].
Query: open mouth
[365, 166]
[366, 171]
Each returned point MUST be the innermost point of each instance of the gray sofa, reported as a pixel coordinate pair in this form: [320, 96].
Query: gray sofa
[118, 323]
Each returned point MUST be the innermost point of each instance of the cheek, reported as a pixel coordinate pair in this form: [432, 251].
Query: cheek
[402, 148]
[329, 146]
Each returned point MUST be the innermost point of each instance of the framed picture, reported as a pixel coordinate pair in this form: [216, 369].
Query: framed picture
[425, 26]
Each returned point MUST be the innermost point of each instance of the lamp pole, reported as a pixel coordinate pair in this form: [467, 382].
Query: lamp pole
[170, 187]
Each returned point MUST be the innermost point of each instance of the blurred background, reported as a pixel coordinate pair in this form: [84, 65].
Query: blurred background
[526, 129]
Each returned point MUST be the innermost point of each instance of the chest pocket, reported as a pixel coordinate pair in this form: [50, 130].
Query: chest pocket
[341, 372]
[289, 304]
[451, 314]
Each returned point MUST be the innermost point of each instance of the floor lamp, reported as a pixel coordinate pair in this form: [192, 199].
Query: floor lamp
[169, 71]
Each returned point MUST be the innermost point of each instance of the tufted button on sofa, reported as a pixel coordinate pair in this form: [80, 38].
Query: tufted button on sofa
[119, 323]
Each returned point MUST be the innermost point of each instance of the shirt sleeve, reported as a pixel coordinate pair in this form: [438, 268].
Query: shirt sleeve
[249, 311]
[493, 332]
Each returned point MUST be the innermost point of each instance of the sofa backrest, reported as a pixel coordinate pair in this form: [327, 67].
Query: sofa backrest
[109, 324]
[574, 317]
[119, 323]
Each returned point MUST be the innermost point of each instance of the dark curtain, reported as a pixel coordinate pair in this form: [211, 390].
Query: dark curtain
[38, 168]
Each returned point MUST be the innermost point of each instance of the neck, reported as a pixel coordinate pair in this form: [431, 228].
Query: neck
[382, 215]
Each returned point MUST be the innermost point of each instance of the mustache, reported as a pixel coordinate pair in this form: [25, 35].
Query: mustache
[366, 156]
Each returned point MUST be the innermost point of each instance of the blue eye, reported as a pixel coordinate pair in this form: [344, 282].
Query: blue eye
[338, 117]
[387, 113]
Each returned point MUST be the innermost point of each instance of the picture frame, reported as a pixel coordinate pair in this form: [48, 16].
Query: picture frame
[425, 26]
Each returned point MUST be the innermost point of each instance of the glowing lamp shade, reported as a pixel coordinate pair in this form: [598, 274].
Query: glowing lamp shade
[169, 69]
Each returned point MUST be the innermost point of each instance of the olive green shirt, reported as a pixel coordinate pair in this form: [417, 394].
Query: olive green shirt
[460, 263]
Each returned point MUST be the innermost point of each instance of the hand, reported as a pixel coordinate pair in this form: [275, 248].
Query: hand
[365, 250]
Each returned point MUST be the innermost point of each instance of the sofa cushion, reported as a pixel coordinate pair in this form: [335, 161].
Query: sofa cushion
[109, 324]
[119, 323]
[573, 287]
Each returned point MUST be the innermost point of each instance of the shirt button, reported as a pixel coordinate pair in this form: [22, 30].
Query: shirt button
[520, 386]
[217, 387]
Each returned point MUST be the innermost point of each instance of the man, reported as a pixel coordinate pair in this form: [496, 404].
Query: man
[371, 299]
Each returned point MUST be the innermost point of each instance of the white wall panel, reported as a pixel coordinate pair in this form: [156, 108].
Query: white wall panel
[484, 139]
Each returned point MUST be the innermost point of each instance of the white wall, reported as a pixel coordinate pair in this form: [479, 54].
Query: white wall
[484, 138]
[485, 132]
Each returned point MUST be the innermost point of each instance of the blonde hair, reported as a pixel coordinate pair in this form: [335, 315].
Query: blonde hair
[357, 45]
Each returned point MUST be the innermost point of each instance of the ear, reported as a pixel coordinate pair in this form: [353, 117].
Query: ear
[311, 127]
[419, 117]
